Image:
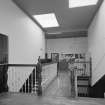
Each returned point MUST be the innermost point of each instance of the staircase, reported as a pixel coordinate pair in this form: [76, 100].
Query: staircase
[83, 73]
[29, 84]
[83, 86]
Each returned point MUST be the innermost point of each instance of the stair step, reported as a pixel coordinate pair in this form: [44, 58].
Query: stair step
[83, 85]
[83, 77]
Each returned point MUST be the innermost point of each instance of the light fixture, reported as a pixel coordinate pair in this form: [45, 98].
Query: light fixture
[81, 3]
[47, 20]
[55, 33]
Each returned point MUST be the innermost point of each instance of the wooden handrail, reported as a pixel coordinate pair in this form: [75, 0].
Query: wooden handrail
[4, 64]
[22, 65]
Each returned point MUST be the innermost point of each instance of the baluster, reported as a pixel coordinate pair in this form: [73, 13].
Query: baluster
[22, 83]
[12, 87]
[32, 81]
[28, 85]
[76, 90]
[13, 80]
[87, 68]
[86, 72]
[10, 78]
[84, 68]
[25, 87]
[25, 84]
[79, 69]
[17, 81]
[35, 81]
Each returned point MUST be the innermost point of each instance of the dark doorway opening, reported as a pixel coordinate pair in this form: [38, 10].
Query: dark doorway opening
[3, 62]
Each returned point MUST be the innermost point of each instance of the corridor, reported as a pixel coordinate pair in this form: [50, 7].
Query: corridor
[60, 87]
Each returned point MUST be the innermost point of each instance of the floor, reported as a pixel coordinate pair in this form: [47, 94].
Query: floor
[25, 99]
[58, 93]
[60, 87]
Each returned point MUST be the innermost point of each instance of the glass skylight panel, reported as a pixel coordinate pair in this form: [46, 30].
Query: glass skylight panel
[47, 20]
[81, 3]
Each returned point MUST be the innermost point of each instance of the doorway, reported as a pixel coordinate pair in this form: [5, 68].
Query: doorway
[3, 62]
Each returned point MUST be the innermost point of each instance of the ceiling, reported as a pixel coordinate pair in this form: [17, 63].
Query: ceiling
[70, 19]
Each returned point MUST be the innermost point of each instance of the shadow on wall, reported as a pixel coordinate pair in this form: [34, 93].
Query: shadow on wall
[98, 90]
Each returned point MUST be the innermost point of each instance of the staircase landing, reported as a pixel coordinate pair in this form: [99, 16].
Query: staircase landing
[29, 99]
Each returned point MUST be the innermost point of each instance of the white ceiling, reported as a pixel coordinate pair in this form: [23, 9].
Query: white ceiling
[70, 19]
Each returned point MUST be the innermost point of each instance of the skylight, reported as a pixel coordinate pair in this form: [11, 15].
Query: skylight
[81, 3]
[47, 20]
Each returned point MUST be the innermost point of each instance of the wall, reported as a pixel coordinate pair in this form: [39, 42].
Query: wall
[67, 45]
[26, 39]
[96, 44]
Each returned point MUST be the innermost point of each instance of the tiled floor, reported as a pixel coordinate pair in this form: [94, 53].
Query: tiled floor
[58, 93]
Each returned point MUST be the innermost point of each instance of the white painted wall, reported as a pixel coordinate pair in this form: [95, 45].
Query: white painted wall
[26, 39]
[67, 45]
[96, 44]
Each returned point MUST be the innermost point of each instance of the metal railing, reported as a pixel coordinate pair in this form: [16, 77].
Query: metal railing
[80, 69]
